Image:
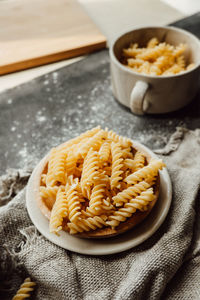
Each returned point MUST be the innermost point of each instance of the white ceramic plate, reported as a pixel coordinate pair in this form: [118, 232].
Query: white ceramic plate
[107, 246]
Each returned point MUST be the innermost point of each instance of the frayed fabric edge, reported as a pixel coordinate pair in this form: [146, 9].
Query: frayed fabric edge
[10, 256]
[30, 234]
[174, 141]
[12, 183]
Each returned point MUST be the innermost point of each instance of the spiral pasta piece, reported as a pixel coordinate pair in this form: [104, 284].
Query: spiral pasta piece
[97, 195]
[71, 161]
[74, 182]
[138, 203]
[51, 165]
[131, 192]
[64, 147]
[175, 69]
[116, 165]
[155, 70]
[135, 62]
[127, 153]
[49, 193]
[123, 141]
[132, 52]
[139, 160]
[59, 211]
[152, 42]
[181, 62]
[86, 214]
[88, 224]
[25, 289]
[90, 170]
[147, 173]
[164, 62]
[145, 68]
[98, 204]
[179, 50]
[93, 142]
[152, 53]
[56, 168]
[136, 163]
[73, 203]
[104, 152]
[107, 207]
[129, 164]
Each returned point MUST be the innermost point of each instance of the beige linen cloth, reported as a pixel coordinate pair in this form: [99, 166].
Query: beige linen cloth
[166, 266]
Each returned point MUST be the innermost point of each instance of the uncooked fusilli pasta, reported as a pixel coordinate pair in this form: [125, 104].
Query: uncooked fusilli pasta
[96, 181]
[71, 161]
[93, 142]
[104, 152]
[157, 58]
[49, 193]
[139, 161]
[24, 290]
[148, 172]
[88, 224]
[123, 141]
[132, 191]
[56, 168]
[90, 170]
[59, 211]
[116, 165]
[99, 204]
[140, 202]
[73, 203]
[78, 139]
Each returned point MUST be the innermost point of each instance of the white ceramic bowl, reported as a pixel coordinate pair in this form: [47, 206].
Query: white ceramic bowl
[112, 245]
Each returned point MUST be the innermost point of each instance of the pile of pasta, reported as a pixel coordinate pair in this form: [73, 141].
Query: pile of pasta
[157, 58]
[97, 180]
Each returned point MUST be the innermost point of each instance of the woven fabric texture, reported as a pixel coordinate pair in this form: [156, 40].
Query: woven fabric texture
[166, 266]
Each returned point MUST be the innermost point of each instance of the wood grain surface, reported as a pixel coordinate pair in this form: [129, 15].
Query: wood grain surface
[38, 32]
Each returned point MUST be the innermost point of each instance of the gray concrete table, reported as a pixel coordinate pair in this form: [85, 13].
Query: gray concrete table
[55, 107]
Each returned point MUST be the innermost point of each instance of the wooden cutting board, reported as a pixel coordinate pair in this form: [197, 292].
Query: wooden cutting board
[38, 32]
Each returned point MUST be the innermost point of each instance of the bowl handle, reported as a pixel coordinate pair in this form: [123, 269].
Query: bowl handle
[137, 97]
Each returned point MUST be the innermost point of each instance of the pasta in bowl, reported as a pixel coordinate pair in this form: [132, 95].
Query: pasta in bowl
[98, 185]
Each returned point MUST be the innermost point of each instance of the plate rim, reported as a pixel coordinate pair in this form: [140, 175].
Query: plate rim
[33, 206]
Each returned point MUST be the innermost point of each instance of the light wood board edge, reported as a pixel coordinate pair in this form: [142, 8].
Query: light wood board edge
[54, 57]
